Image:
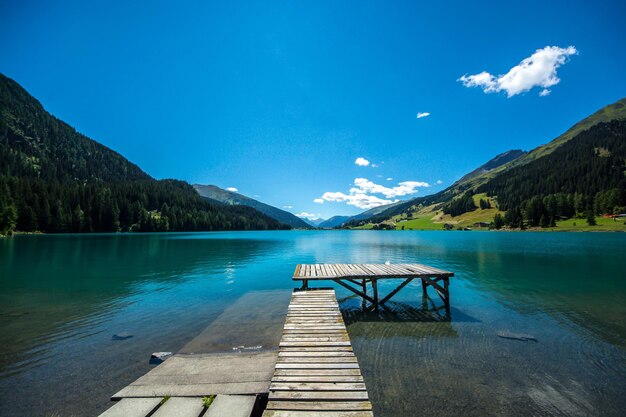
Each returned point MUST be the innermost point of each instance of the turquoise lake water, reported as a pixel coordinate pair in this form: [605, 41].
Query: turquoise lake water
[64, 296]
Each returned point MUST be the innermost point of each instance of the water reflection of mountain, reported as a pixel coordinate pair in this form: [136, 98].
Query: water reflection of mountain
[52, 283]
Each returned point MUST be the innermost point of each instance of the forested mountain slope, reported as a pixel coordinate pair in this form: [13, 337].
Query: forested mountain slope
[53, 179]
[585, 174]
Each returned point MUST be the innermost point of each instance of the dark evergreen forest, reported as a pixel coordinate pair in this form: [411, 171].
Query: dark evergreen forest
[583, 177]
[53, 179]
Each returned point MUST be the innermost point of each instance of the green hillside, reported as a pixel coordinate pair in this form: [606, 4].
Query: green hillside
[53, 179]
[231, 198]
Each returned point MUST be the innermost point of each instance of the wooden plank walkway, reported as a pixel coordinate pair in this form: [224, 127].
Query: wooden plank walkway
[349, 275]
[317, 373]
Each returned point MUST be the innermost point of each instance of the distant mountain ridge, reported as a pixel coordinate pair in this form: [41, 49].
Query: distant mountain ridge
[333, 222]
[216, 193]
[314, 222]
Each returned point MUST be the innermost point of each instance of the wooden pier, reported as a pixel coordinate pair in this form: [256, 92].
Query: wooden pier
[360, 275]
[317, 373]
[311, 371]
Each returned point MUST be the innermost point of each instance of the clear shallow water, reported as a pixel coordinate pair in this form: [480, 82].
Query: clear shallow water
[64, 296]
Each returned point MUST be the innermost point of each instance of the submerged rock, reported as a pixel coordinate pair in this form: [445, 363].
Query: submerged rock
[122, 336]
[517, 336]
[158, 357]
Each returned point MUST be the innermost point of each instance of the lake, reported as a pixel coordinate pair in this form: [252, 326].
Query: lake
[64, 296]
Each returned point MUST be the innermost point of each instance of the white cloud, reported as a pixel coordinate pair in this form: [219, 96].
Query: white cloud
[360, 161]
[360, 200]
[389, 179]
[360, 194]
[288, 207]
[375, 165]
[439, 182]
[363, 185]
[232, 189]
[544, 92]
[306, 215]
[422, 114]
[538, 70]
[319, 201]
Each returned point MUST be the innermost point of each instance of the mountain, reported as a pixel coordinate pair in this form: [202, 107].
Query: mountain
[580, 173]
[333, 222]
[314, 222]
[54, 179]
[231, 198]
[493, 163]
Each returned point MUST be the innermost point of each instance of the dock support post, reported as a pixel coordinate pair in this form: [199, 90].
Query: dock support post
[364, 286]
[375, 290]
[424, 294]
[305, 284]
[447, 293]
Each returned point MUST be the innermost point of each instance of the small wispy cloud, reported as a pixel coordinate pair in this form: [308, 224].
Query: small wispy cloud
[422, 114]
[288, 207]
[232, 189]
[544, 92]
[439, 182]
[319, 200]
[389, 179]
[538, 70]
[360, 161]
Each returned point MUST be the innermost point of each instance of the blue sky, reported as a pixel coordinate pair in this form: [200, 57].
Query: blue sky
[279, 99]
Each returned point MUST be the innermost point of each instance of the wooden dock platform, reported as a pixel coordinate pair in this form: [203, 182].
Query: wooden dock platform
[312, 371]
[317, 373]
[363, 274]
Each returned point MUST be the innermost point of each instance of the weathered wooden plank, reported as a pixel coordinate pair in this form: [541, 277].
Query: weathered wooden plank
[319, 306]
[317, 349]
[304, 343]
[316, 372]
[314, 338]
[291, 326]
[319, 395]
[296, 314]
[133, 407]
[297, 319]
[317, 386]
[304, 359]
[320, 405]
[317, 366]
[306, 335]
[282, 354]
[298, 413]
[318, 378]
[310, 331]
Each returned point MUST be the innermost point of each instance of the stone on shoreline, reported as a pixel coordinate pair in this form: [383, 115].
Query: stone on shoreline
[158, 357]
